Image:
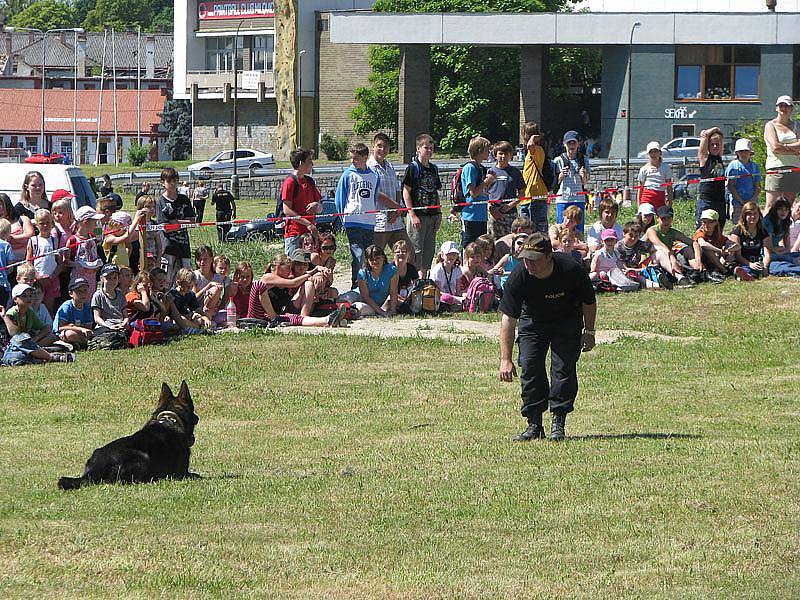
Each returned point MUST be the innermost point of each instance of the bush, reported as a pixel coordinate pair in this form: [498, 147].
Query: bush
[333, 147]
[137, 155]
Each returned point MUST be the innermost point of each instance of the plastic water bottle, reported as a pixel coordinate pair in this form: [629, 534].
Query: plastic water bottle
[231, 313]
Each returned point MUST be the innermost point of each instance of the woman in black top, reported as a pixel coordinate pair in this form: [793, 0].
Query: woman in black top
[711, 194]
[754, 241]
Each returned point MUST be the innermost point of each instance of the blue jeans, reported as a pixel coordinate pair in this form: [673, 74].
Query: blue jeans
[783, 265]
[290, 244]
[536, 211]
[358, 239]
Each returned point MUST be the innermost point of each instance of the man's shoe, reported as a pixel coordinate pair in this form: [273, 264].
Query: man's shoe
[535, 431]
[715, 277]
[664, 281]
[557, 429]
[684, 282]
[742, 274]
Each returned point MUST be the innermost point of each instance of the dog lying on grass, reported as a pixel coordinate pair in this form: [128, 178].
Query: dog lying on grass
[158, 450]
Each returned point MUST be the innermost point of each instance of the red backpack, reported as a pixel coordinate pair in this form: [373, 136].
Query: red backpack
[457, 189]
[480, 295]
[145, 332]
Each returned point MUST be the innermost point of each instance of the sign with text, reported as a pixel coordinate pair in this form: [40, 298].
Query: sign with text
[250, 80]
[680, 112]
[235, 9]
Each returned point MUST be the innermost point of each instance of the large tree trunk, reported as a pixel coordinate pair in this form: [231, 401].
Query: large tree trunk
[285, 68]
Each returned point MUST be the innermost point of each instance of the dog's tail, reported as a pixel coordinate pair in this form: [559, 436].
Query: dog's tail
[71, 483]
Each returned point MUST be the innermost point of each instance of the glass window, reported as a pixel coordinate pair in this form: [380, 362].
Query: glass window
[263, 52]
[718, 82]
[688, 82]
[692, 142]
[746, 82]
[219, 54]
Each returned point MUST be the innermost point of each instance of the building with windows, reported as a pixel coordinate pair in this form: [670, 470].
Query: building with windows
[689, 71]
[264, 56]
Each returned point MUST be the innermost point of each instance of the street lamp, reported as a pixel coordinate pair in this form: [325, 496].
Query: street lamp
[628, 128]
[300, 97]
[76, 30]
[235, 175]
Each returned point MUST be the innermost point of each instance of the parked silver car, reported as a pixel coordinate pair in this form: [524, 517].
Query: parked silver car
[685, 146]
[246, 160]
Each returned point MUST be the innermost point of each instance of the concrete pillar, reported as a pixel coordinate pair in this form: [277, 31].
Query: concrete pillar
[150, 57]
[414, 114]
[531, 70]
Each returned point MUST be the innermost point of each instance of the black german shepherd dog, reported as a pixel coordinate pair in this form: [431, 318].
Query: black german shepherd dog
[158, 450]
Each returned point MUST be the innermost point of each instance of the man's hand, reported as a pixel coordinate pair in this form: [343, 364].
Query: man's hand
[587, 342]
[415, 220]
[507, 370]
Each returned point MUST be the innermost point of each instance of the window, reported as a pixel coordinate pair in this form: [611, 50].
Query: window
[717, 72]
[263, 52]
[219, 54]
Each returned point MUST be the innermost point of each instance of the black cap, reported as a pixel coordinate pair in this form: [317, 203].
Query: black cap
[108, 269]
[76, 283]
[665, 211]
[536, 246]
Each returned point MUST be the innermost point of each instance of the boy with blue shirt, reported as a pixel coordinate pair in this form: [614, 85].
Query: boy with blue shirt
[6, 258]
[744, 179]
[357, 197]
[475, 184]
[74, 320]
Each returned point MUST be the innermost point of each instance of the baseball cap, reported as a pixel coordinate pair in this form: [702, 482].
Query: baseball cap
[60, 194]
[709, 214]
[608, 233]
[571, 136]
[122, 218]
[536, 246]
[665, 211]
[76, 283]
[784, 100]
[109, 269]
[85, 213]
[301, 256]
[645, 208]
[653, 146]
[20, 289]
[743, 144]
[448, 248]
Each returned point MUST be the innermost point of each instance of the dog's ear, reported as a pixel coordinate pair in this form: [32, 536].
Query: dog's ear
[166, 397]
[185, 397]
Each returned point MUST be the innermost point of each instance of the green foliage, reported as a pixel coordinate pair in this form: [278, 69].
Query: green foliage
[46, 14]
[177, 121]
[333, 147]
[474, 90]
[570, 67]
[754, 131]
[10, 8]
[119, 15]
[137, 155]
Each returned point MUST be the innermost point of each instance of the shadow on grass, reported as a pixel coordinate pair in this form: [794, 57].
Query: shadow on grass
[636, 436]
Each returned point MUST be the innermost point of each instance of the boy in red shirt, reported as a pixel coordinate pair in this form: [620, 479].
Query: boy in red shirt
[300, 198]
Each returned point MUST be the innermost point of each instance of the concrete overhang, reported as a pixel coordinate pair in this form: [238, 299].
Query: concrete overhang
[563, 29]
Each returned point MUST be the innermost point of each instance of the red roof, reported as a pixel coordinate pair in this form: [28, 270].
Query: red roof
[23, 110]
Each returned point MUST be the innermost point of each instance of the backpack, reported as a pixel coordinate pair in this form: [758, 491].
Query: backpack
[424, 298]
[457, 189]
[279, 214]
[145, 332]
[480, 295]
[547, 174]
[108, 339]
[564, 162]
[619, 279]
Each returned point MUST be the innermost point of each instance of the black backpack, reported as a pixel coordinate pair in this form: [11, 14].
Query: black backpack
[565, 161]
[547, 173]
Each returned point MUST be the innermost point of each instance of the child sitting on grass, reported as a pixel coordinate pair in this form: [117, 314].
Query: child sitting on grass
[27, 332]
[186, 302]
[606, 258]
[240, 287]
[506, 265]
[6, 258]
[473, 263]
[74, 322]
[108, 302]
[447, 273]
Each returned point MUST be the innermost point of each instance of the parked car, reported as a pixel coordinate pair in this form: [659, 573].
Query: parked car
[263, 231]
[684, 189]
[66, 177]
[246, 160]
[45, 159]
[686, 146]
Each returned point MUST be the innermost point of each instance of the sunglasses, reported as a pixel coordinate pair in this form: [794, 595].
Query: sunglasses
[328, 247]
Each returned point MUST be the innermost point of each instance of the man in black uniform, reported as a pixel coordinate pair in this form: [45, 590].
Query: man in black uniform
[553, 299]
[226, 209]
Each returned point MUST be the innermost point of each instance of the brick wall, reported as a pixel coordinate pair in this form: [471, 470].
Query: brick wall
[342, 68]
[213, 130]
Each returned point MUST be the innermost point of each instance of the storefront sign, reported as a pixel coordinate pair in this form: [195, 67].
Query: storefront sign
[680, 112]
[235, 9]
[250, 80]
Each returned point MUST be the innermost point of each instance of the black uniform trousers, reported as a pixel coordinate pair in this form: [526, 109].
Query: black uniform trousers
[563, 339]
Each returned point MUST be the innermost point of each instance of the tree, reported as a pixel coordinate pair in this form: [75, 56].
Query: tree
[475, 90]
[177, 121]
[119, 15]
[45, 14]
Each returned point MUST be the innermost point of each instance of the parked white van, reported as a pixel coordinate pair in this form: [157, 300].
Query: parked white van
[64, 177]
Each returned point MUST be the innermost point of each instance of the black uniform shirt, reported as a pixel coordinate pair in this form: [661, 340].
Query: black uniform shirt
[541, 303]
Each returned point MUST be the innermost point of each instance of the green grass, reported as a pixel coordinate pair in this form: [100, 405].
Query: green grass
[360, 467]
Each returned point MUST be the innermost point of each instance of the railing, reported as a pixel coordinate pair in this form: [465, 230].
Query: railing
[215, 81]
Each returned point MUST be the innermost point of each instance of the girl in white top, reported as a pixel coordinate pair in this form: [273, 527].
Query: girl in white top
[653, 176]
[783, 150]
[606, 258]
[447, 274]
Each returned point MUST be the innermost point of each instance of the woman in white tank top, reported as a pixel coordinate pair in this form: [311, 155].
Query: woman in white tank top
[783, 151]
